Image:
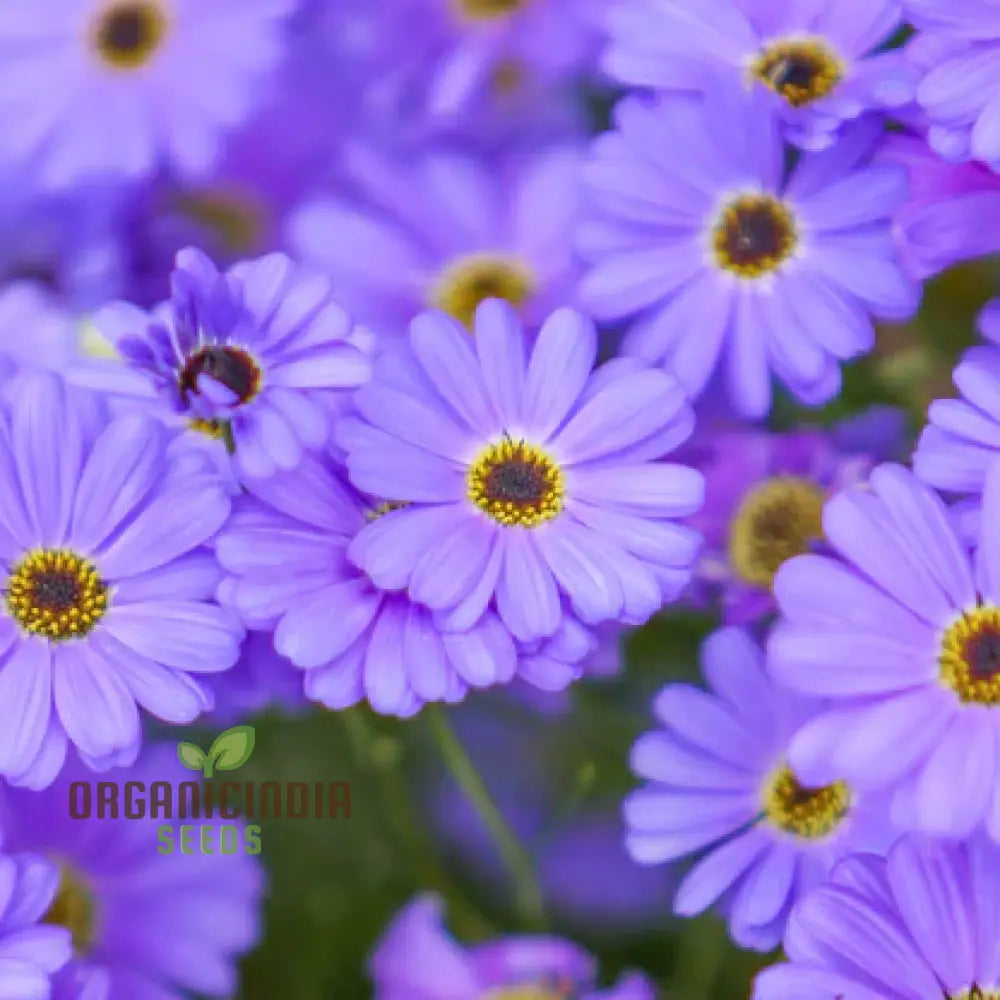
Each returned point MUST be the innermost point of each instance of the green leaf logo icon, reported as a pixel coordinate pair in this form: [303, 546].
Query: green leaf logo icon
[191, 756]
[231, 749]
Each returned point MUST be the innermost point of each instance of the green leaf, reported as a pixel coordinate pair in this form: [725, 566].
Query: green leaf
[232, 749]
[191, 756]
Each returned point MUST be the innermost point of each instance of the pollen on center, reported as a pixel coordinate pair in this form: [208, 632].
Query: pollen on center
[969, 656]
[128, 33]
[778, 519]
[75, 909]
[516, 483]
[801, 70]
[754, 235]
[56, 594]
[473, 279]
[805, 812]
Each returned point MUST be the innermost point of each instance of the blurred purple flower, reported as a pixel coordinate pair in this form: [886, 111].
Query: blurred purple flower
[147, 925]
[952, 213]
[31, 951]
[764, 496]
[532, 479]
[142, 83]
[962, 438]
[55, 334]
[719, 779]
[955, 51]
[262, 679]
[730, 265]
[106, 597]
[419, 960]
[922, 922]
[258, 354]
[900, 629]
[447, 229]
[820, 63]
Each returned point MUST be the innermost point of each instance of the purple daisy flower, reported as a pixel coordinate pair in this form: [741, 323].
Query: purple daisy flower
[145, 923]
[720, 779]
[955, 51]
[534, 480]
[447, 230]
[820, 64]
[255, 356]
[31, 950]
[142, 83]
[764, 496]
[419, 960]
[962, 438]
[952, 213]
[286, 548]
[727, 262]
[917, 925]
[106, 590]
[900, 629]
[262, 679]
[462, 55]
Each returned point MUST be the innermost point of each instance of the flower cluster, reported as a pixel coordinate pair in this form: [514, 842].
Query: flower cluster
[379, 354]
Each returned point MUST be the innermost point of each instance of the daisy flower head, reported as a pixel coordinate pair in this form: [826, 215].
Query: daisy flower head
[32, 949]
[529, 478]
[144, 924]
[899, 629]
[447, 230]
[144, 84]
[719, 782]
[962, 438]
[462, 58]
[954, 53]
[764, 496]
[255, 356]
[417, 958]
[820, 64]
[727, 262]
[919, 924]
[286, 552]
[106, 586]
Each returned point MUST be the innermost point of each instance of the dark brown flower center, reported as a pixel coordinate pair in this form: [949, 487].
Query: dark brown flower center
[969, 657]
[800, 70]
[805, 812]
[56, 594]
[754, 235]
[230, 366]
[516, 483]
[129, 33]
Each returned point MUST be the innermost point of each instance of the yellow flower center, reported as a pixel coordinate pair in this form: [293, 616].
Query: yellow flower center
[801, 70]
[485, 10]
[805, 812]
[775, 521]
[516, 483]
[56, 594]
[75, 909]
[128, 33]
[969, 658]
[473, 279]
[238, 219]
[754, 235]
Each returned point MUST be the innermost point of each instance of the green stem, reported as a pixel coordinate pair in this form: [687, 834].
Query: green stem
[402, 817]
[528, 894]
